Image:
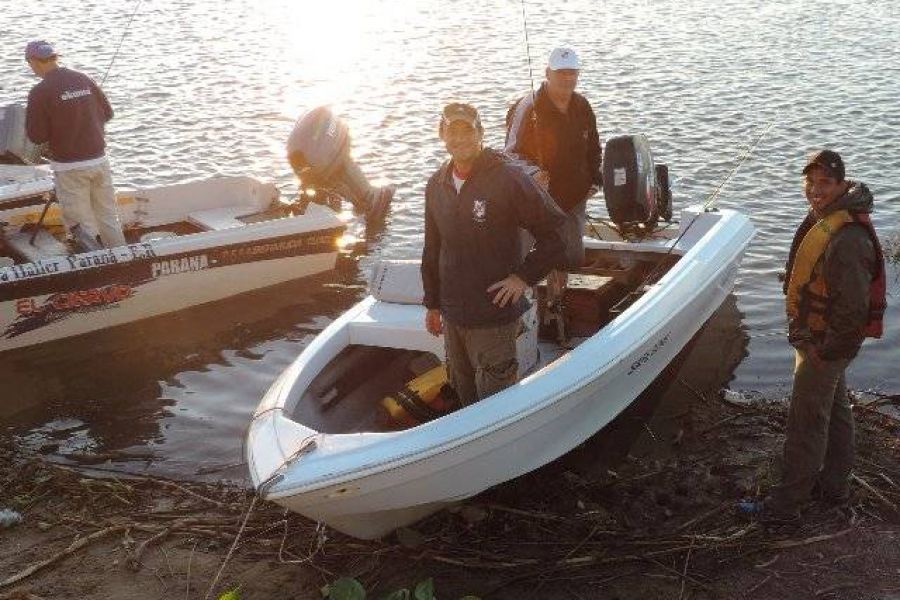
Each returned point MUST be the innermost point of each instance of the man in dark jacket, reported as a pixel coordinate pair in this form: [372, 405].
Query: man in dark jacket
[554, 134]
[835, 299]
[68, 111]
[473, 272]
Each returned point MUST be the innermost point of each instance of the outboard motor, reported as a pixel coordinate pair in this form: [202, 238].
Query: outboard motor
[317, 147]
[636, 190]
[319, 152]
[15, 147]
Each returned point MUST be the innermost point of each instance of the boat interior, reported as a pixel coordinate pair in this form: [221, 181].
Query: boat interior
[31, 229]
[373, 388]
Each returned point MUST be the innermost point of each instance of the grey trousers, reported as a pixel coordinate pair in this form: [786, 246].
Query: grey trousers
[481, 360]
[820, 444]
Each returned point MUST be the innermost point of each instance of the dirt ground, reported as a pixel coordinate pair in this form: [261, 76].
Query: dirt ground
[658, 525]
[622, 517]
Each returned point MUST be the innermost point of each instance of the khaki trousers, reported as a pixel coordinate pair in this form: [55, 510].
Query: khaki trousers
[481, 360]
[88, 199]
[820, 444]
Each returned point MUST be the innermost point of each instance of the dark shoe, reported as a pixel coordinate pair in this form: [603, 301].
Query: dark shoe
[830, 497]
[763, 513]
[379, 203]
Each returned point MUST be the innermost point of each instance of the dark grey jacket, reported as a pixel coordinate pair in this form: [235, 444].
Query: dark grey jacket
[848, 264]
[473, 239]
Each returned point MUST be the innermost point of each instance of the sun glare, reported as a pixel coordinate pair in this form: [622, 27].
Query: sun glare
[334, 46]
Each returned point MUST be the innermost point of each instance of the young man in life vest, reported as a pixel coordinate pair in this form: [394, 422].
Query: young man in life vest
[835, 290]
[473, 272]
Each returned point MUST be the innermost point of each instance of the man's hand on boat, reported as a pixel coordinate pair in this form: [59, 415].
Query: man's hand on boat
[433, 322]
[509, 290]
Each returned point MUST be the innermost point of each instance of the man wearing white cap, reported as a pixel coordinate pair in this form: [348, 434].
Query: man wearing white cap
[68, 111]
[554, 133]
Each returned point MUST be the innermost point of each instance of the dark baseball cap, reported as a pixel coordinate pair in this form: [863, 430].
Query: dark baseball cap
[459, 111]
[829, 160]
[39, 49]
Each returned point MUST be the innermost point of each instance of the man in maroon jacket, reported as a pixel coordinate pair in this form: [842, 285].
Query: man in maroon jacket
[68, 111]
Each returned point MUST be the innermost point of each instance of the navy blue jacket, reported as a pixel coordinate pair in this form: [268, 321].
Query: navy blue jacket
[68, 110]
[473, 239]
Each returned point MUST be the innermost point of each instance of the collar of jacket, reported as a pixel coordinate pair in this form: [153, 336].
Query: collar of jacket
[486, 160]
[857, 199]
[545, 107]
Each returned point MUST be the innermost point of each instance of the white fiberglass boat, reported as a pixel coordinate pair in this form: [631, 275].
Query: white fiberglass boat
[324, 442]
[190, 244]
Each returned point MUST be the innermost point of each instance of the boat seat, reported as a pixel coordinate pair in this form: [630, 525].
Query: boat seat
[217, 219]
[45, 245]
[397, 281]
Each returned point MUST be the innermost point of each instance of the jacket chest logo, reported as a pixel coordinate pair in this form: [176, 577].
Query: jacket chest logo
[479, 210]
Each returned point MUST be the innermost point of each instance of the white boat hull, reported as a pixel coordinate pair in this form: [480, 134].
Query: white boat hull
[68, 295]
[368, 484]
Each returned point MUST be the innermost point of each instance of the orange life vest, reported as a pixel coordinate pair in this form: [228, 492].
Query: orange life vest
[807, 293]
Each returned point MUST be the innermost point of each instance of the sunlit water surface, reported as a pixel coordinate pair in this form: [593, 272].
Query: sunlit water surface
[203, 88]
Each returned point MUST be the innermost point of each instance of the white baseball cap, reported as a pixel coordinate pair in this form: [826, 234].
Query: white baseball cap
[563, 58]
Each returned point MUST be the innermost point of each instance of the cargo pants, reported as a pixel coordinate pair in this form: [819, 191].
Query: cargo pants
[87, 198]
[820, 444]
[481, 360]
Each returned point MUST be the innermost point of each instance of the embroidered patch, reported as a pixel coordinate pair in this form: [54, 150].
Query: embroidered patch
[479, 210]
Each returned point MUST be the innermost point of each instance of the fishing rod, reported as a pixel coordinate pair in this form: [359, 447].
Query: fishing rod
[52, 197]
[708, 205]
[121, 40]
[528, 51]
[742, 158]
[534, 117]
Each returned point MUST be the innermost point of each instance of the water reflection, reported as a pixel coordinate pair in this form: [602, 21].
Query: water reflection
[205, 87]
[177, 389]
[706, 365]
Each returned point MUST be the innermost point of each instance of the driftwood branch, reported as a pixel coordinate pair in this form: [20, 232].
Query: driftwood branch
[73, 547]
[865, 484]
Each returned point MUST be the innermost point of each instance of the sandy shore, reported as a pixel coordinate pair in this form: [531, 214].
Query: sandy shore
[659, 524]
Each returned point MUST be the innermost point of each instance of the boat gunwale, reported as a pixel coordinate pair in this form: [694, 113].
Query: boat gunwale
[573, 386]
[201, 241]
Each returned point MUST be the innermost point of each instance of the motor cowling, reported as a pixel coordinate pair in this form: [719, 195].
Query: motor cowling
[636, 189]
[318, 146]
[15, 147]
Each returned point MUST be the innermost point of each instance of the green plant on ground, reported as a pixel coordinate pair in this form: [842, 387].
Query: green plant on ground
[347, 588]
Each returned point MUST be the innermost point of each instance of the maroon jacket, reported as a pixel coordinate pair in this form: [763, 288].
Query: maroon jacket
[68, 110]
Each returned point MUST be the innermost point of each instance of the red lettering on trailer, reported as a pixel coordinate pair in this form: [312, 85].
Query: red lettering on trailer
[25, 306]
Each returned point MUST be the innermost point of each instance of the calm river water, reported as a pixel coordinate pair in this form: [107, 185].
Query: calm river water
[206, 87]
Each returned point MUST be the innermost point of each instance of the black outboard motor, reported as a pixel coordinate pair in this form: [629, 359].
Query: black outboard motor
[636, 190]
[319, 152]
